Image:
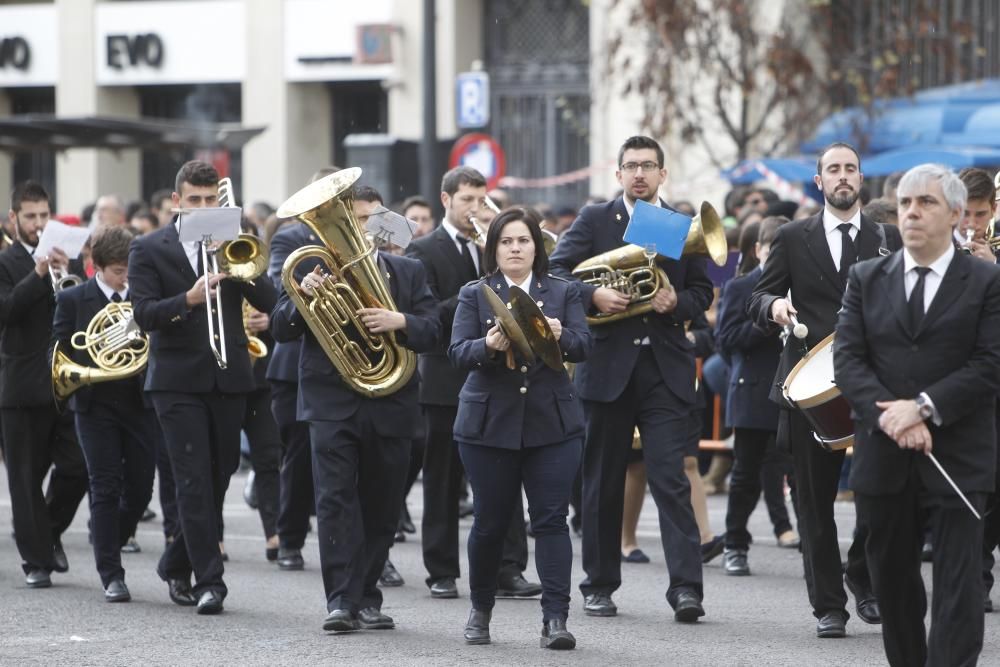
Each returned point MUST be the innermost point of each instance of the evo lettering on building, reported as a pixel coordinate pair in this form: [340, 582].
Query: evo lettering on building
[134, 50]
[15, 52]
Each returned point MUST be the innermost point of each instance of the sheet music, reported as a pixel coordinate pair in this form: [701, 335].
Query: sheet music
[219, 224]
[68, 238]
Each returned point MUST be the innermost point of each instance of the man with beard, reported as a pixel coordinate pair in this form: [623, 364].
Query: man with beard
[641, 373]
[811, 258]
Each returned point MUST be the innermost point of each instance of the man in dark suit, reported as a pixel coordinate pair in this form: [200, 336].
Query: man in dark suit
[811, 258]
[917, 355]
[36, 436]
[200, 405]
[641, 373]
[117, 431]
[360, 444]
[451, 259]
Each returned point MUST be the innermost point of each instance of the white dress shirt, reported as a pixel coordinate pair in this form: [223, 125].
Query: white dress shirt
[526, 285]
[834, 237]
[630, 205]
[934, 277]
[191, 249]
[453, 233]
[108, 291]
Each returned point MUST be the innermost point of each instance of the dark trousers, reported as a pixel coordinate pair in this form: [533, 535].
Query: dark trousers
[991, 539]
[36, 439]
[202, 432]
[817, 477]
[442, 484]
[167, 489]
[359, 477]
[496, 476]
[296, 499]
[664, 426]
[751, 448]
[896, 522]
[265, 456]
[118, 446]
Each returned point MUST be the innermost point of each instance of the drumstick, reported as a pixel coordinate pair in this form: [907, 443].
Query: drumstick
[954, 486]
[798, 330]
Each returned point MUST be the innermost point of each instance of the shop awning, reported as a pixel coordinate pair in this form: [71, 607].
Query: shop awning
[36, 132]
[956, 157]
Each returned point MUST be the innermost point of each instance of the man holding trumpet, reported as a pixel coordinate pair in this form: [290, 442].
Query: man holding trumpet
[200, 404]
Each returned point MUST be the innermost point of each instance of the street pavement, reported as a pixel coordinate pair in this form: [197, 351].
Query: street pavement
[275, 618]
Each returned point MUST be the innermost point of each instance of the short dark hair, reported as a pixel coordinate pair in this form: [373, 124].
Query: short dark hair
[147, 215]
[367, 193]
[197, 173]
[881, 211]
[891, 182]
[540, 266]
[110, 245]
[769, 229]
[459, 176]
[27, 191]
[413, 200]
[979, 183]
[830, 147]
[749, 233]
[157, 198]
[639, 142]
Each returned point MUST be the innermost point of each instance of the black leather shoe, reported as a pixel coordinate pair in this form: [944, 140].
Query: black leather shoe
[148, 515]
[131, 547]
[371, 618]
[210, 603]
[400, 536]
[38, 578]
[181, 593]
[271, 554]
[599, 604]
[832, 625]
[688, 608]
[866, 603]
[477, 628]
[406, 524]
[711, 549]
[290, 559]
[390, 576]
[117, 591]
[444, 588]
[556, 637]
[341, 620]
[60, 564]
[517, 587]
[250, 491]
[734, 563]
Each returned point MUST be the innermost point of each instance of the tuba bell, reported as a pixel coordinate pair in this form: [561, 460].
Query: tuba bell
[115, 344]
[371, 364]
[632, 270]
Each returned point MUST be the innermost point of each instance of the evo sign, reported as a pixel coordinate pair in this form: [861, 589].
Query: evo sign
[29, 54]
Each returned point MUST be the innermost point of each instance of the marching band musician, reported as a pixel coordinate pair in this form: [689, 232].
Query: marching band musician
[117, 431]
[200, 406]
[36, 435]
[360, 445]
[811, 258]
[519, 425]
[641, 373]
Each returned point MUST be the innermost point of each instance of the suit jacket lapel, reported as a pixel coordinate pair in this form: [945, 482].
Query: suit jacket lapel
[92, 292]
[22, 255]
[951, 288]
[447, 245]
[174, 249]
[869, 240]
[539, 290]
[820, 250]
[895, 291]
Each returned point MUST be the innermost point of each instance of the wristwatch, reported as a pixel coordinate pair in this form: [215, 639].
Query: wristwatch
[926, 411]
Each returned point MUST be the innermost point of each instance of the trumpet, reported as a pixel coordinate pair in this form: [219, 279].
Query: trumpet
[255, 346]
[62, 279]
[989, 238]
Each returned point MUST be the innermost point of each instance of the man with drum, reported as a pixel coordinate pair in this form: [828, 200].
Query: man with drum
[808, 267]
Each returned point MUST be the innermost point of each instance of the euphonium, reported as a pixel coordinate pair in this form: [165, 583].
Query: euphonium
[632, 271]
[371, 364]
[255, 346]
[115, 344]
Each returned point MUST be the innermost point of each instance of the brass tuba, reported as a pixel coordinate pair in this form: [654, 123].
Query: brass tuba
[115, 344]
[371, 364]
[632, 271]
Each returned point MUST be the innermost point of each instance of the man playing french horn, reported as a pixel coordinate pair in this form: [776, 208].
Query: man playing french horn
[199, 400]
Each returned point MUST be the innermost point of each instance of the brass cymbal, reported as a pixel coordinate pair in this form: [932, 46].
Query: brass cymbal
[536, 328]
[508, 325]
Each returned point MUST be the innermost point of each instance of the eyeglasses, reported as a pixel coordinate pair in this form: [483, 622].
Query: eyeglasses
[648, 166]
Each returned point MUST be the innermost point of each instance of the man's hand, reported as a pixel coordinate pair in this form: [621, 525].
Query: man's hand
[196, 295]
[495, 340]
[56, 259]
[313, 280]
[556, 327]
[781, 312]
[607, 300]
[898, 416]
[981, 250]
[380, 320]
[916, 437]
[257, 321]
[665, 300]
[42, 266]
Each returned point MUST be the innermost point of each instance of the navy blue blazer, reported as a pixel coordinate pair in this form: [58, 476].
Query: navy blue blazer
[753, 357]
[599, 228]
[283, 362]
[532, 405]
[75, 308]
[323, 395]
[180, 360]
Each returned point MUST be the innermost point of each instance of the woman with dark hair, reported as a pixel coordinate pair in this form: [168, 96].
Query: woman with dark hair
[519, 426]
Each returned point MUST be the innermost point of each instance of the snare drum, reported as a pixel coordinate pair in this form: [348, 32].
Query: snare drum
[811, 389]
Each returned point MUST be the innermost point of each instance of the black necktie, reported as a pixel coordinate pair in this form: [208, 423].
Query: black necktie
[467, 257]
[848, 251]
[116, 297]
[916, 302]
